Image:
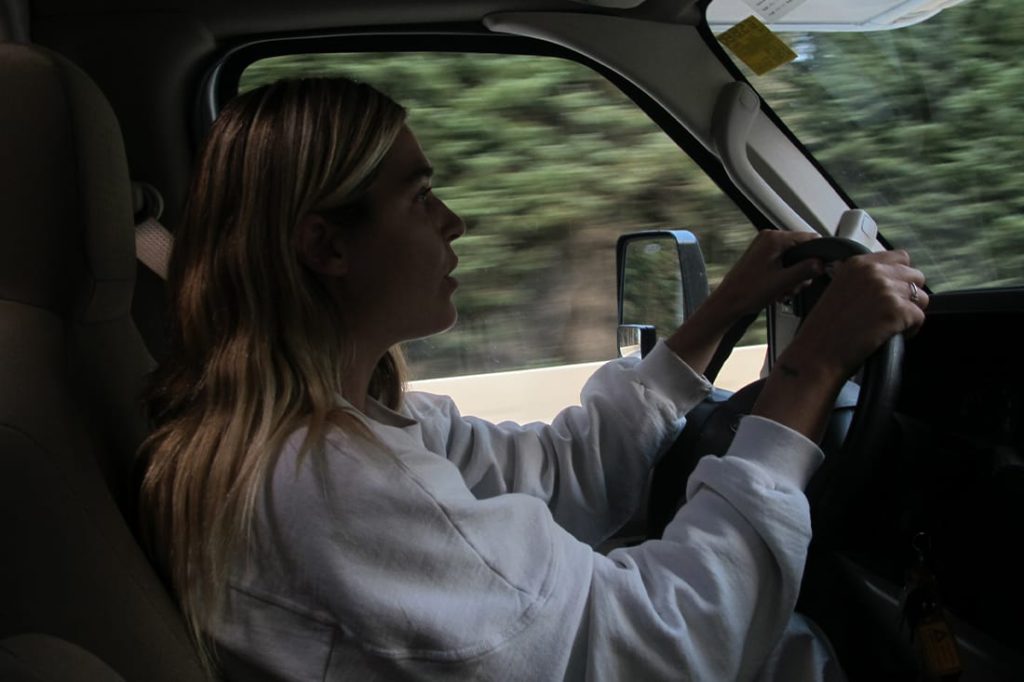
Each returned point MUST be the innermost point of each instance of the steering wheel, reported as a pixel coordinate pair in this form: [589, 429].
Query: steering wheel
[853, 440]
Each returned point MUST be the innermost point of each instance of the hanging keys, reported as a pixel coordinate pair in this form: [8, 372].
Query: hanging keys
[930, 628]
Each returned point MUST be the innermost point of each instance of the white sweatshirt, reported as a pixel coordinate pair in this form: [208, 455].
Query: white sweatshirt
[456, 549]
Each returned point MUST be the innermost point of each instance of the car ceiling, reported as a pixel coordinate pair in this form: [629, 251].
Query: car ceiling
[231, 18]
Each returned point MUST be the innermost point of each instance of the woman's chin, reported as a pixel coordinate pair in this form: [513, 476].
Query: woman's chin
[453, 317]
[441, 324]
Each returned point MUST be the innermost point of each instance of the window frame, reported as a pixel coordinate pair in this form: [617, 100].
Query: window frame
[221, 80]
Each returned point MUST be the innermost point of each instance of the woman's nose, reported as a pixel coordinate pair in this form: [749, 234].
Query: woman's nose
[454, 226]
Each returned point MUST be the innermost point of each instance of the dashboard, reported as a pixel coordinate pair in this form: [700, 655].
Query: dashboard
[959, 449]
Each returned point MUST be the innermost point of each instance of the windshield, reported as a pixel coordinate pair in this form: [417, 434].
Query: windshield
[922, 127]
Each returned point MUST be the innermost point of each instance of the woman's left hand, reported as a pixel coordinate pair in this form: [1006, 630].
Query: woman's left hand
[758, 278]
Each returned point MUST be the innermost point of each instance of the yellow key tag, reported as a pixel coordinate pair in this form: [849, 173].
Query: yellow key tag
[937, 646]
[756, 46]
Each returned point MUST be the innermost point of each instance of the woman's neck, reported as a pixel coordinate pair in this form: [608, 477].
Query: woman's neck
[355, 386]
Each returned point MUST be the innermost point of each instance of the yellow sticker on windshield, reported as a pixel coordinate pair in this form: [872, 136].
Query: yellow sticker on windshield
[757, 46]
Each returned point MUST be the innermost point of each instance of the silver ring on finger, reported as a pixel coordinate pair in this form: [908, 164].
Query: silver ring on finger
[914, 292]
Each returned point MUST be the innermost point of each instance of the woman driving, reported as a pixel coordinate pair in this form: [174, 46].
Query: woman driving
[317, 522]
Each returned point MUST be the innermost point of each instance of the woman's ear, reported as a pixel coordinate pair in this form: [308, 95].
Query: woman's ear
[319, 248]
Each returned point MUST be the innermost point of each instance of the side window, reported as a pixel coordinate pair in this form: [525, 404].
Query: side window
[547, 163]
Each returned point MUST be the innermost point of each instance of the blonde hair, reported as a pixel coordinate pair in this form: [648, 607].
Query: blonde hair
[258, 345]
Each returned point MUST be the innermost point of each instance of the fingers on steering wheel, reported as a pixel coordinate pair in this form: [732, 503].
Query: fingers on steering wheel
[913, 281]
[899, 256]
[801, 274]
[918, 301]
[912, 299]
[900, 285]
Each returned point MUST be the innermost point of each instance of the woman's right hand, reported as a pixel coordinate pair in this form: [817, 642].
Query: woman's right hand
[871, 298]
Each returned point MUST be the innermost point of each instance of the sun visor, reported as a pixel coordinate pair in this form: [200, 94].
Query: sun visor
[826, 15]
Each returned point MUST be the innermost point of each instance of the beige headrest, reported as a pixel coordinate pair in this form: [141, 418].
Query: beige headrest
[66, 239]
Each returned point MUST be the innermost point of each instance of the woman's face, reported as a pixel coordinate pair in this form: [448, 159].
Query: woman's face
[398, 284]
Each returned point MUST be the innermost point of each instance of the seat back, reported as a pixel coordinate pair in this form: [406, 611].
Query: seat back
[71, 368]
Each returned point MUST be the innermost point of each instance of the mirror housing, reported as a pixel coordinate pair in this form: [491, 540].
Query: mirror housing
[636, 339]
[661, 280]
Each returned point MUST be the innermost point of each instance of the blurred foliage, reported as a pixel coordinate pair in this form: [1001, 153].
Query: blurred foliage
[921, 126]
[548, 164]
[653, 288]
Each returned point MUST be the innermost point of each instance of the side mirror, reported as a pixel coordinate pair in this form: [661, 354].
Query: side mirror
[661, 280]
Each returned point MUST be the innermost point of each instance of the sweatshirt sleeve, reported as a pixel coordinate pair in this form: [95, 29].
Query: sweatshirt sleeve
[590, 465]
[713, 596]
[420, 579]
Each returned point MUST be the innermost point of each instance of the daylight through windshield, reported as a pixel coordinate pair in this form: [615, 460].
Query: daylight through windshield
[921, 126]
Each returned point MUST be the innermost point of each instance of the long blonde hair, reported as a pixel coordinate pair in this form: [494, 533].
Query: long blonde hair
[258, 346]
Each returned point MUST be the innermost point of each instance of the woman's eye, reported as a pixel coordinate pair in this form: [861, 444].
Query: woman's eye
[424, 193]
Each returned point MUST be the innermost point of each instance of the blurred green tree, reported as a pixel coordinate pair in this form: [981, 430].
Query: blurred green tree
[921, 126]
[548, 163]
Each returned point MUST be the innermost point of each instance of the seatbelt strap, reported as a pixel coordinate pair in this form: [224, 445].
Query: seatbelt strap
[153, 241]
[728, 342]
[153, 244]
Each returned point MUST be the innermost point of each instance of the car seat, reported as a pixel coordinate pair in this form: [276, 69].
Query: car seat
[72, 365]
